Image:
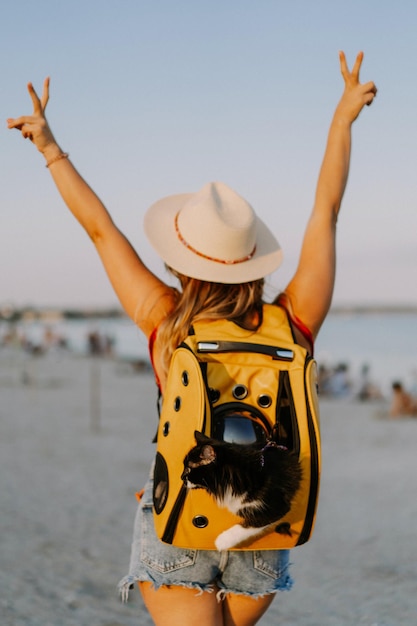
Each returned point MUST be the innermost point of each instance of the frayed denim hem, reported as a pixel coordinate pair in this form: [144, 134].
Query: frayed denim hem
[286, 585]
[128, 582]
[251, 573]
[124, 586]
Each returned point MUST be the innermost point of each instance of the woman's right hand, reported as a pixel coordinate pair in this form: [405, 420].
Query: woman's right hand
[310, 290]
[35, 127]
[356, 94]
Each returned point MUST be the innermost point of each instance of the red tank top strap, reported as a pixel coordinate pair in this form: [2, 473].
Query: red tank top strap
[283, 302]
[151, 344]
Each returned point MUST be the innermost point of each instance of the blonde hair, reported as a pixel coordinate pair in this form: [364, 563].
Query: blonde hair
[198, 299]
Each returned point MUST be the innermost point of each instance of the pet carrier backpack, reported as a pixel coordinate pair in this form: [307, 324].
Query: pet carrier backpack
[224, 380]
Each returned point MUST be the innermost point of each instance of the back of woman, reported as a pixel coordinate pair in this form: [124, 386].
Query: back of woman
[221, 252]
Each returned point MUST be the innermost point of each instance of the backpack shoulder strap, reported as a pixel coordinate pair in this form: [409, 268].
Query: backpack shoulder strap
[275, 324]
[276, 319]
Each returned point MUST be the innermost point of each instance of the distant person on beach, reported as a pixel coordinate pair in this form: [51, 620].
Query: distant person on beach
[340, 385]
[334, 381]
[402, 403]
[220, 252]
[368, 390]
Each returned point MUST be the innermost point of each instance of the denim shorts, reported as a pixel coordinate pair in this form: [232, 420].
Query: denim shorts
[253, 572]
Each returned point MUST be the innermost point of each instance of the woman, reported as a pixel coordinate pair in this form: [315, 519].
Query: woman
[217, 280]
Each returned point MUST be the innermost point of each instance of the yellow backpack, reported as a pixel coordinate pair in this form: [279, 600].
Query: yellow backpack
[216, 374]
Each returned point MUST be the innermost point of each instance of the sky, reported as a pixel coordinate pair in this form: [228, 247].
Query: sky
[154, 97]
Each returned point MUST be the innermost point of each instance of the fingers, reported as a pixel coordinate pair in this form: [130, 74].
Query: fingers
[26, 132]
[355, 94]
[18, 122]
[370, 92]
[352, 76]
[24, 124]
[343, 65]
[37, 106]
[357, 66]
[45, 93]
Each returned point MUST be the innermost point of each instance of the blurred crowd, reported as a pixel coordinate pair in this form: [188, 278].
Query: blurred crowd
[14, 337]
[337, 382]
[96, 343]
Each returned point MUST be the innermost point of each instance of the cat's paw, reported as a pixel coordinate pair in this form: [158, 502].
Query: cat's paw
[225, 540]
[236, 535]
[232, 537]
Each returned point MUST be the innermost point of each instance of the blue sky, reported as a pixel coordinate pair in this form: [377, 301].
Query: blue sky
[156, 97]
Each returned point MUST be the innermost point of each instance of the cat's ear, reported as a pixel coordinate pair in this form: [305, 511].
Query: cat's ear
[207, 455]
[200, 438]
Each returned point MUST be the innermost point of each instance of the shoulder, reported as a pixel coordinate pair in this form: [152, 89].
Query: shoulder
[159, 303]
[301, 333]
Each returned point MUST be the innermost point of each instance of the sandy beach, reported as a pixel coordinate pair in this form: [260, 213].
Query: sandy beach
[75, 438]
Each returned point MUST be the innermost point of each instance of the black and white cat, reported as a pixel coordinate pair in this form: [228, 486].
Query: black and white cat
[256, 482]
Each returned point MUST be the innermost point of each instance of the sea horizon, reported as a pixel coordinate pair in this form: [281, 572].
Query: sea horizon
[11, 312]
[373, 337]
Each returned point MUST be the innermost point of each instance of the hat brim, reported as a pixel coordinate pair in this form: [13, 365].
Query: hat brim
[159, 226]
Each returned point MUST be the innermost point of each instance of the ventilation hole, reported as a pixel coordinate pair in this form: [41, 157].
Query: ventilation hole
[214, 395]
[185, 378]
[200, 521]
[240, 392]
[177, 403]
[264, 400]
[165, 429]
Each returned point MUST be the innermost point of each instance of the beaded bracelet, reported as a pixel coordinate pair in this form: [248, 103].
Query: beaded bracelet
[62, 155]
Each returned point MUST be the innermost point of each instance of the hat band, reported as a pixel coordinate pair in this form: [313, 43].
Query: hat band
[205, 256]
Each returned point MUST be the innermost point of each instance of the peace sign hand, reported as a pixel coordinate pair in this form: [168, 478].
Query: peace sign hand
[35, 127]
[356, 95]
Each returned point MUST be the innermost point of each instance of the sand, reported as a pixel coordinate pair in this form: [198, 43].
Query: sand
[75, 446]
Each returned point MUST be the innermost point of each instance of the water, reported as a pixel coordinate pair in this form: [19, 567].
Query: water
[386, 342]
[128, 341]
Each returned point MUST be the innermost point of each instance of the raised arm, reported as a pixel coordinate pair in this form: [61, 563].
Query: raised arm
[311, 289]
[133, 283]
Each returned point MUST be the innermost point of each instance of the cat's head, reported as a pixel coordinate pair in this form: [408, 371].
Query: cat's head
[197, 461]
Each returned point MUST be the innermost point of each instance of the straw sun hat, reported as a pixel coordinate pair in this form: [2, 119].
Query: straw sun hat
[213, 235]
